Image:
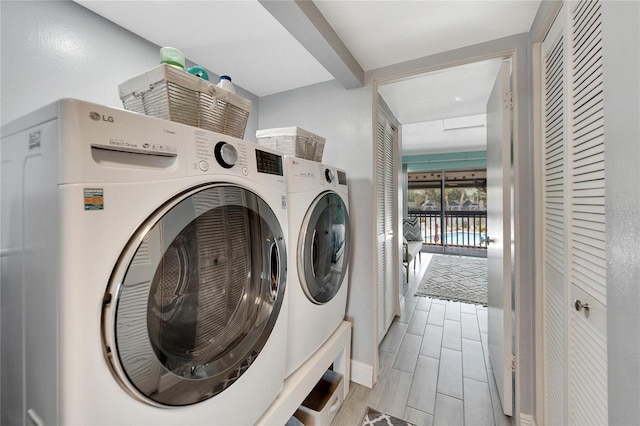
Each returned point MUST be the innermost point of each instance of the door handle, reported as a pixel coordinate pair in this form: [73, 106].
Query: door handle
[487, 240]
[580, 306]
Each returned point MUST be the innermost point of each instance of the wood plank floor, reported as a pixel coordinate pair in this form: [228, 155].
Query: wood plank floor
[434, 366]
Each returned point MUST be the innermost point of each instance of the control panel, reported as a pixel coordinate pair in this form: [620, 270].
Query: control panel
[268, 162]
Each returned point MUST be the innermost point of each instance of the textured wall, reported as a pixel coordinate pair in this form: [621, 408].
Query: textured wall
[59, 49]
[621, 70]
[343, 117]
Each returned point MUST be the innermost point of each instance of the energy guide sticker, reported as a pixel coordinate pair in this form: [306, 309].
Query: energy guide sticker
[93, 199]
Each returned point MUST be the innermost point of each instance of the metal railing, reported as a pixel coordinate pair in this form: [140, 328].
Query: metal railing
[462, 228]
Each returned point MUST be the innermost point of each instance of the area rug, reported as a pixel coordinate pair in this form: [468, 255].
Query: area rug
[376, 418]
[457, 278]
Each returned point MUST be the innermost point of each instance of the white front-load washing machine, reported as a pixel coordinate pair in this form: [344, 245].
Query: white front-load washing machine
[143, 271]
[317, 273]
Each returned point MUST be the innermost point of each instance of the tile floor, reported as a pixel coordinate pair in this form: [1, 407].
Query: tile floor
[434, 367]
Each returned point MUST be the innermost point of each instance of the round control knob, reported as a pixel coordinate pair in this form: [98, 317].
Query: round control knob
[226, 154]
[328, 175]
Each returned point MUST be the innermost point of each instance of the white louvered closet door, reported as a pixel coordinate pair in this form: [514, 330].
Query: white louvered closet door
[554, 64]
[588, 347]
[385, 211]
[575, 287]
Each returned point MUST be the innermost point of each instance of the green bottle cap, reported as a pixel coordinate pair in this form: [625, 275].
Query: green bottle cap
[172, 56]
[198, 71]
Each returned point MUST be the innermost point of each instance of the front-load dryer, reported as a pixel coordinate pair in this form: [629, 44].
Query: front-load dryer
[317, 273]
[143, 271]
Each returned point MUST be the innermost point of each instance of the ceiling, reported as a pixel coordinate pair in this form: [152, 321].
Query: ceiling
[443, 111]
[271, 46]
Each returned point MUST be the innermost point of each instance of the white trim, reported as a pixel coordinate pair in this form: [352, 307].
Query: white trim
[362, 373]
[527, 420]
[374, 253]
[516, 48]
[539, 262]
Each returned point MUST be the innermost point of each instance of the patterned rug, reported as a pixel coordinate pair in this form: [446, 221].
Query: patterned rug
[376, 418]
[457, 278]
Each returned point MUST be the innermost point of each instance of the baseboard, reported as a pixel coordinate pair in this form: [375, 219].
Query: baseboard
[362, 373]
[527, 420]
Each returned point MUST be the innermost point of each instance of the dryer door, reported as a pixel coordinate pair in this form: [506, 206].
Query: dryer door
[195, 295]
[323, 248]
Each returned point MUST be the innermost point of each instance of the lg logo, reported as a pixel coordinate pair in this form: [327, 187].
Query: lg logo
[95, 116]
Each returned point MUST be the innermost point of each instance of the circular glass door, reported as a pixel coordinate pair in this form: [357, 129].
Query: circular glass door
[196, 295]
[323, 248]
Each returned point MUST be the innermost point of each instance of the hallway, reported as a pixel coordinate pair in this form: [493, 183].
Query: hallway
[434, 367]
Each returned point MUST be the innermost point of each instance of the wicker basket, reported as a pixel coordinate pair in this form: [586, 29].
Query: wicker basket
[169, 93]
[293, 141]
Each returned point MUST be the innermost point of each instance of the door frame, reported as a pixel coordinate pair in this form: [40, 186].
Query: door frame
[516, 219]
[538, 35]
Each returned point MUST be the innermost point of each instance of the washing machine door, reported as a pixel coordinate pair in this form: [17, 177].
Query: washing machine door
[323, 248]
[195, 296]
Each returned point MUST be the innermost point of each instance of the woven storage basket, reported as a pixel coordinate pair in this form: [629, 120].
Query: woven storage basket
[169, 93]
[293, 141]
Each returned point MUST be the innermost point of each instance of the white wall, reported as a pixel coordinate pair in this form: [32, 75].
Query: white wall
[621, 70]
[59, 49]
[343, 117]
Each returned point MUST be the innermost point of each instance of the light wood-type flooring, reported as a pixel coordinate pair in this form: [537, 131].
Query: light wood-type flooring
[434, 366]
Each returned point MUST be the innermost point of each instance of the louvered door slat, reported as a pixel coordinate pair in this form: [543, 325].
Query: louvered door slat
[554, 148]
[589, 378]
[594, 226]
[588, 283]
[555, 154]
[593, 262]
[591, 249]
[588, 73]
[588, 47]
[586, 237]
[591, 125]
[585, 151]
[585, 23]
[588, 113]
[590, 171]
[590, 196]
[589, 184]
[592, 80]
[588, 268]
[593, 162]
[588, 142]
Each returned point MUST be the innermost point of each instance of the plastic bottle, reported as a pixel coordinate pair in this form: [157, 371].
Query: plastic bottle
[225, 82]
[172, 56]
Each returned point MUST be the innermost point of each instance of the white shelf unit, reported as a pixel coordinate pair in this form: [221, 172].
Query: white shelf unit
[337, 351]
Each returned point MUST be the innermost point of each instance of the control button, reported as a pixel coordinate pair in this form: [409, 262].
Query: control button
[328, 174]
[203, 165]
[226, 154]
[245, 171]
